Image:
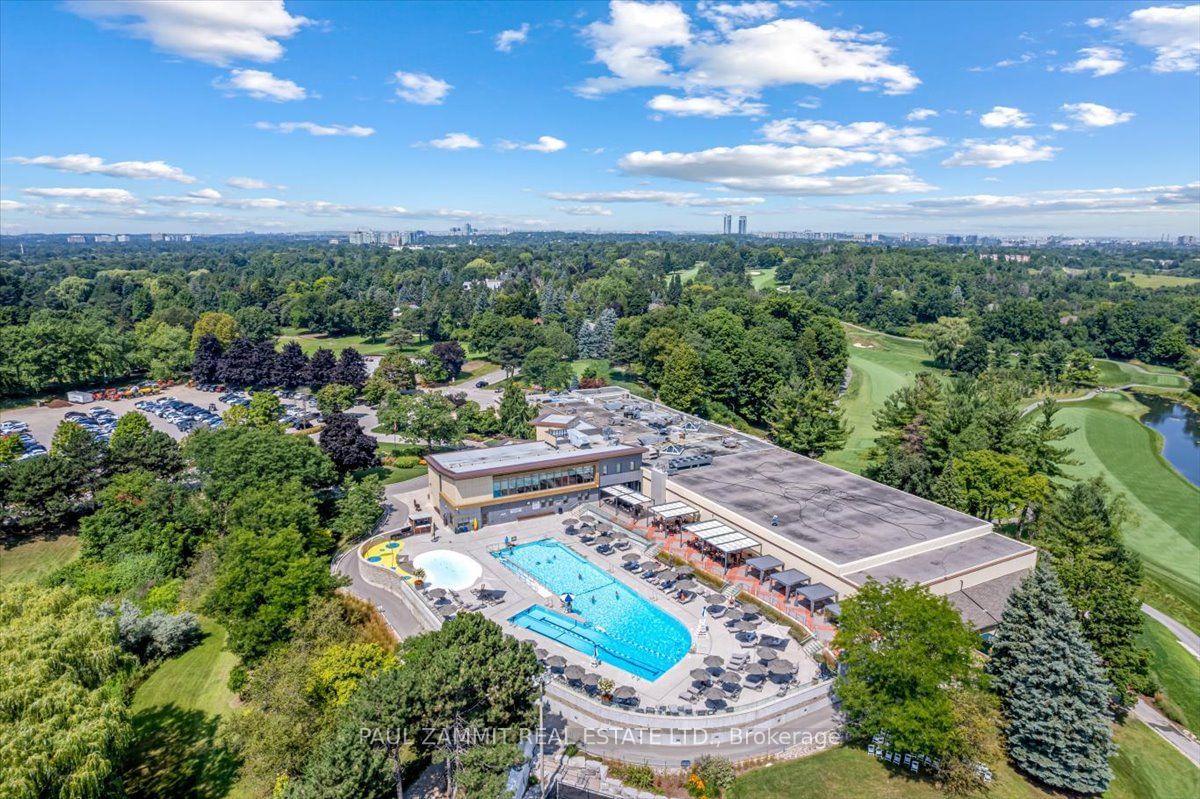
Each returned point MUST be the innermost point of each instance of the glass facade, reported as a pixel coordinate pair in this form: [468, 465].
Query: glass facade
[542, 481]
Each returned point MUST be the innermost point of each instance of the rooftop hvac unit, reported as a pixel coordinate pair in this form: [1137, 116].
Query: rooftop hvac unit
[688, 462]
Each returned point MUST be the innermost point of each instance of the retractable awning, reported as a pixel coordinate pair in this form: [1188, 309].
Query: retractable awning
[626, 495]
[673, 510]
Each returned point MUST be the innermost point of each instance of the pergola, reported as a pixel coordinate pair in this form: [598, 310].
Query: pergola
[722, 538]
[764, 564]
[674, 513]
[625, 496]
[817, 594]
[790, 579]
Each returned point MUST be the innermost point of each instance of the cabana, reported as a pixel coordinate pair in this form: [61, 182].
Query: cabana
[817, 595]
[672, 514]
[789, 580]
[764, 565]
[626, 497]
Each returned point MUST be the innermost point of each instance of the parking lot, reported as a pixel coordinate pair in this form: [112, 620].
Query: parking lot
[42, 422]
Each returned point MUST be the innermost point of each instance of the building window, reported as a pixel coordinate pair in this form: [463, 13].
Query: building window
[542, 481]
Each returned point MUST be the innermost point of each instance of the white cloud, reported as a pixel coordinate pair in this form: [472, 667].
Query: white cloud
[10, 205]
[214, 31]
[314, 129]
[772, 168]
[1002, 152]
[1003, 116]
[1180, 198]
[675, 199]
[1059, 126]
[1004, 63]
[809, 102]
[249, 183]
[629, 44]
[1095, 22]
[789, 51]
[84, 164]
[1094, 115]
[261, 85]
[506, 40]
[1099, 61]
[420, 88]
[214, 197]
[711, 106]
[109, 196]
[726, 15]
[1173, 32]
[585, 210]
[917, 114]
[544, 144]
[856, 135]
[455, 141]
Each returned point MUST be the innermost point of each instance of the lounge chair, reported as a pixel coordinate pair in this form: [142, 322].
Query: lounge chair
[622, 545]
[604, 549]
[689, 696]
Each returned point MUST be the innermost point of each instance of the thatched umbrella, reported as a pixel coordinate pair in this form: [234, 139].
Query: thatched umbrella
[630, 557]
[590, 679]
[733, 614]
[685, 585]
[624, 693]
[756, 670]
[651, 566]
[541, 653]
[714, 694]
[745, 626]
[715, 599]
[556, 661]
[714, 661]
[700, 675]
[781, 667]
[731, 678]
[686, 570]
[448, 611]
[604, 539]
[766, 653]
[437, 593]
[569, 520]
[573, 672]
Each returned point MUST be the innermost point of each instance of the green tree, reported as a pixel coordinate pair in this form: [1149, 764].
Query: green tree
[221, 325]
[11, 448]
[807, 420]
[336, 674]
[63, 718]
[334, 398]
[264, 583]
[372, 318]
[509, 352]
[360, 507]
[164, 349]
[972, 357]
[682, 384]
[990, 485]
[543, 367]
[136, 445]
[427, 416]
[1080, 530]
[1052, 689]
[903, 649]
[234, 459]
[396, 372]
[264, 410]
[1080, 369]
[255, 324]
[515, 412]
[343, 767]
[946, 338]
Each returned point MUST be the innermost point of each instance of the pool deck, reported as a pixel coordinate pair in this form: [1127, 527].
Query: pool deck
[518, 595]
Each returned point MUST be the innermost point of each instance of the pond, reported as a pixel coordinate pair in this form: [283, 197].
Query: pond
[1180, 429]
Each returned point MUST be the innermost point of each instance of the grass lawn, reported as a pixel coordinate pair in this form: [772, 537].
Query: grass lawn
[1121, 373]
[36, 557]
[1145, 281]
[1176, 670]
[1146, 768]
[687, 274]
[881, 364]
[176, 713]
[763, 279]
[311, 342]
[1111, 442]
[394, 474]
[615, 377]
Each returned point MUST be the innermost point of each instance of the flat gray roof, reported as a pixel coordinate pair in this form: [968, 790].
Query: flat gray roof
[835, 514]
[518, 457]
[945, 561]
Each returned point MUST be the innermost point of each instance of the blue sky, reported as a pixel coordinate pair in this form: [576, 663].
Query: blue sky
[1079, 118]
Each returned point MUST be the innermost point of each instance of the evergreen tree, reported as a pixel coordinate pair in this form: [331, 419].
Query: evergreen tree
[351, 369]
[207, 362]
[515, 412]
[674, 290]
[1080, 530]
[972, 357]
[586, 341]
[1052, 689]
[320, 369]
[683, 380]
[606, 324]
[290, 366]
[344, 767]
[807, 420]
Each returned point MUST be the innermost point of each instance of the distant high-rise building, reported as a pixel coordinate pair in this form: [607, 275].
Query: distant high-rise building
[728, 226]
[741, 226]
[1185, 241]
[122, 238]
[76, 239]
[156, 237]
[104, 238]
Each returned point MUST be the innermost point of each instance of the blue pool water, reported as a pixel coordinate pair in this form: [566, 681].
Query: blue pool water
[617, 625]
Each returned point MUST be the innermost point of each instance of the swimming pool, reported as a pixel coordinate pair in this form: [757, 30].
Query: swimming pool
[618, 626]
[447, 569]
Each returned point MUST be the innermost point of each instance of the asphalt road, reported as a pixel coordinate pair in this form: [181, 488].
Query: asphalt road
[1146, 713]
[398, 616]
[1189, 639]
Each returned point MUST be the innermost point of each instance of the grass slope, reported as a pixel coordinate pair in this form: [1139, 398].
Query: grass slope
[311, 342]
[881, 364]
[1146, 768]
[1110, 441]
[763, 279]
[176, 713]
[1145, 281]
[1176, 670]
[33, 559]
[1122, 373]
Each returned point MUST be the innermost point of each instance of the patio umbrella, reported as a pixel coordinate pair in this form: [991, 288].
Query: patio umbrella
[715, 599]
[700, 675]
[782, 666]
[756, 670]
[686, 585]
[448, 611]
[590, 679]
[731, 678]
[733, 614]
[745, 626]
[714, 694]
[624, 693]
[748, 609]
[766, 653]
[541, 653]
[713, 661]
[556, 661]
[630, 557]
[669, 575]
[651, 566]
[437, 593]
[569, 520]
[573, 672]
[615, 533]
[604, 539]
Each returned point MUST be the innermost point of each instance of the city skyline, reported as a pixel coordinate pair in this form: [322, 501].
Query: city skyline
[1072, 118]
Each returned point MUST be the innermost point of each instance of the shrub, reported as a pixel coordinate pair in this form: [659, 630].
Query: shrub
[715, 773]
[640, 777]
[237, 678]
[406, 461]
[159, 635]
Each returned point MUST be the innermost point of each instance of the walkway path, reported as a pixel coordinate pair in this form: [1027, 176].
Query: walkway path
[398, 617]
[1169, 732]
[1189, 639]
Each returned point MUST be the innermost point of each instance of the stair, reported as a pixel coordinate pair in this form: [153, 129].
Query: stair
[731, 591]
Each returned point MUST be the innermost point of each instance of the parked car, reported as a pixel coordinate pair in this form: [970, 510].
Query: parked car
[480, 383]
